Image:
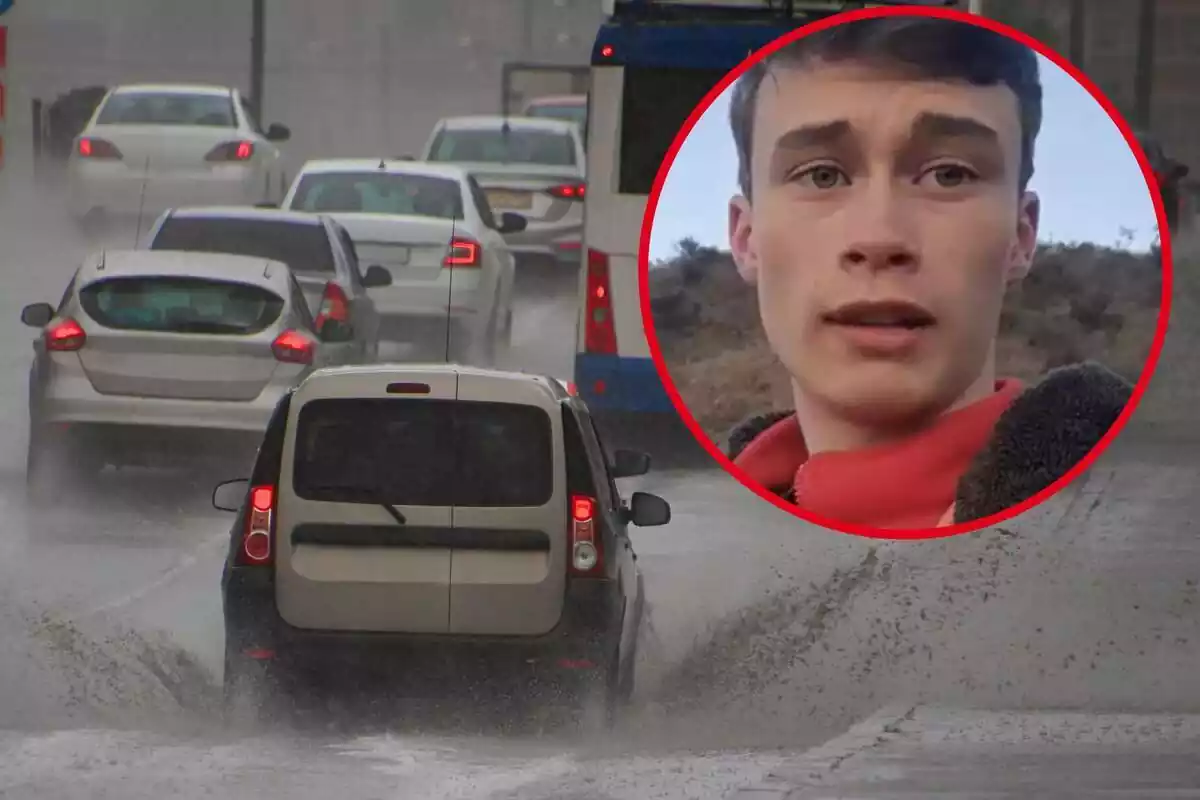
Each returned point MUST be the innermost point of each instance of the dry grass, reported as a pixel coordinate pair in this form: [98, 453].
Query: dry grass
[1080, 303]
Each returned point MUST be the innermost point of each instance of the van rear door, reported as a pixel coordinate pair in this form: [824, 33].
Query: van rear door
[508, 566]
[344, 560]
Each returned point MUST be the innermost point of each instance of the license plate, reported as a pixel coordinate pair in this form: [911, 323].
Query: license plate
[515, 200]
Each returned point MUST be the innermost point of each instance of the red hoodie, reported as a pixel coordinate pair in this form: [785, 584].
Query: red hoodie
[910, 484]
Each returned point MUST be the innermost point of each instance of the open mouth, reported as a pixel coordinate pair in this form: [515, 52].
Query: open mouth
[882, 314]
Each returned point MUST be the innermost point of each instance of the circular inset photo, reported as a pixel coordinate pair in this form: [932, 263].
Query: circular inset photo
[905, 273]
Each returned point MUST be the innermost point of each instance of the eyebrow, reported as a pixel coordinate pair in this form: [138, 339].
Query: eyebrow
[927, 125]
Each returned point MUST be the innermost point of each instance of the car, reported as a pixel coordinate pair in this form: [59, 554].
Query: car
[148, 147]
[431, 227]
[149, 355]
[531, 166]
[429, 522]
[319, 252]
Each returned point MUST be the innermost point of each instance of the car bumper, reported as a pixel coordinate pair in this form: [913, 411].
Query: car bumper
[585, 636]
[545, 239]
[621, 384]
[72, 400]
[119, 190]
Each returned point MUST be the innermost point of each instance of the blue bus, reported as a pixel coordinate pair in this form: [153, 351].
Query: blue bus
[652, 63]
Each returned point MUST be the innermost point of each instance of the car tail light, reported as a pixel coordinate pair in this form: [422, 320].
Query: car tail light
[600, 335]
[568, 191]
[231, 151]
[335, 306]
[293, 347]
[587, 549]
[65, 337]
[464, 252]
[257, 548]
[99, 149]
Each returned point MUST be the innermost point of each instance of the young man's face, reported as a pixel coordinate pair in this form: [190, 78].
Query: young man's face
[884, 227]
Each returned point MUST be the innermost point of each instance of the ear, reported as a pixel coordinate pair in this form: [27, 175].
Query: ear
[741, 239]
[1020, 259]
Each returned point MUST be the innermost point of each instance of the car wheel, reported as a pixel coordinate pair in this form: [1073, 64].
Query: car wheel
[52, 462]
[252, 694]
[598, 705]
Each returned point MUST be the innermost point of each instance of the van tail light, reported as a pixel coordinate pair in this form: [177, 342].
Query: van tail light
[293, 347]
[463, 252]
[98, 149]
[587, 549]
[258, 540]
[600, 335]
[231, 151]
[568, 191]
[65, 337]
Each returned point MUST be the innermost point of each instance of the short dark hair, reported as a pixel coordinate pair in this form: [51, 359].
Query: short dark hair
[932, 48]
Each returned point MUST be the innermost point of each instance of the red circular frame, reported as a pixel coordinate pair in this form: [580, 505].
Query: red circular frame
[713, 450]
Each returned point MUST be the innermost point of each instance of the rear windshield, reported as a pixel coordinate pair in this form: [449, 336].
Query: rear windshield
[379, 193]
[168, 108]
[572, 112]
[302, 246]
[494, 146]
[423, 453]
[180, 305]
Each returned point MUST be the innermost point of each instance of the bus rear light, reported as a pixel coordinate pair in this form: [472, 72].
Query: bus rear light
[600, 334]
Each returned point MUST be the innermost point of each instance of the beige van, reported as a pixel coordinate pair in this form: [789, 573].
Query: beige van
[435, 510]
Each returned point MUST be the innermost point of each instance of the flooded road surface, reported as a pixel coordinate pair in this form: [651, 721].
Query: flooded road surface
[766, 637]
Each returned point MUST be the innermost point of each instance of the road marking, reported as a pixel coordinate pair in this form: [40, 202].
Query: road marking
[183, 565]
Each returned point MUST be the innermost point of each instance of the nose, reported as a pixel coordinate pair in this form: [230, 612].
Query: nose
[879, 254]
[877, 234]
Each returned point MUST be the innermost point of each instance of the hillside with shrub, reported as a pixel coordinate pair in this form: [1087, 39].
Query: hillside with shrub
[1080, 302]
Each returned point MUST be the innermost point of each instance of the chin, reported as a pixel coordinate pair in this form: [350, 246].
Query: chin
[887, 401]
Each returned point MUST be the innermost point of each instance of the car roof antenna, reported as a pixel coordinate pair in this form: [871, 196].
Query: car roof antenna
[137, 235]
[449, 263]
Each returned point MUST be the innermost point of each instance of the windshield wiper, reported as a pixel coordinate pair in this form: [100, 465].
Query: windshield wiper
[367, 496]
[395, 512]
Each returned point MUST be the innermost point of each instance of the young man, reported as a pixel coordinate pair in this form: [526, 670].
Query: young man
[883, 212]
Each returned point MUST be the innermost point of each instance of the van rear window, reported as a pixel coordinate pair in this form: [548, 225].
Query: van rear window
[410, 452]
[181, 305]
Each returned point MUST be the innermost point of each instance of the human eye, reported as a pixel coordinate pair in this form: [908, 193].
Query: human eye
[820, 176]
[950, 176]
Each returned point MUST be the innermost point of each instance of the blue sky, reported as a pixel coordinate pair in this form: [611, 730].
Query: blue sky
[1088, 179]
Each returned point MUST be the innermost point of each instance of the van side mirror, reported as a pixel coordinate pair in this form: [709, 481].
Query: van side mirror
[629, 463]
[229, 495]
[37, 315]
[278, 133]
[648, 510]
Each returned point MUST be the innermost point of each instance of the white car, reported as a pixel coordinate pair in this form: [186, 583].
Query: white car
[150, 147]
[528, 165]
[431, 227]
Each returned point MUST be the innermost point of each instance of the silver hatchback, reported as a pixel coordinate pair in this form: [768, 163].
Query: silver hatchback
[155, 357]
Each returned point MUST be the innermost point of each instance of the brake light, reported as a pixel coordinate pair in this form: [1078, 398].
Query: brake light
[568, 191]
[258, 539]
[600, 335]
[335, 306]
[231, 151]
[463, 252]
[587, 552]
[100, 149]
[65, 337]
[293, 347]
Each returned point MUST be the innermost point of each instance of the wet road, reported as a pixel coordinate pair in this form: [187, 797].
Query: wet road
[764, 634]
